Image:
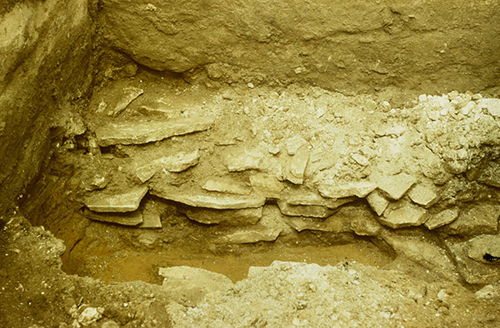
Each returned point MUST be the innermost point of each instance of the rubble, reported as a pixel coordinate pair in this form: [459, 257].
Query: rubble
[490, 175]
[141, 132]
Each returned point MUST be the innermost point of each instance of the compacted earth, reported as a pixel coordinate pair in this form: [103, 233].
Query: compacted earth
[172, 204]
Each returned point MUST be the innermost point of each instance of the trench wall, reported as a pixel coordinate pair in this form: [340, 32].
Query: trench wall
[44, 55]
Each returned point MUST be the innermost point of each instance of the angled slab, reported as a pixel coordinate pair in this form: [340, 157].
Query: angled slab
[403, 214]
[359, 189]
[175, 163]
[128, 95]
[395, 186]
[119, 202]
[377, 202]
[442, 218]
[227, 185]
[141, 132]
[475, 220]
[127, 219]
[297, 165]
[266, 185]
[246, 216]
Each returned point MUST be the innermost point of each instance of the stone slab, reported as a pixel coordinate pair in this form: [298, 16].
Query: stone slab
[107, 201]
[475, 220]
[297, 165]
[128, 219]
[315, 211]
[197, 197]
[490, 175]
[377, 202]
[403, 214]
[424, 195]
[266, 185]
[395, 186]
[151, 216]
[246, 216]
[175, 163]
[359, 189]
[141, 132]
[243, 160]
[227, 185]
[442, 218]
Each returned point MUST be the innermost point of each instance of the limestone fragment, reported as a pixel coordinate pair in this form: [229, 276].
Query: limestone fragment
[485, 248]
[360, 159]
[492, 104]
[442, 218]
[423, 195]
[242, 161]
[227, 185]
[190, 285]
[151, 218]
[309, 198]
[403, 214]
[266, 185]
[472, 271]
[294, 144]
[297, 165]
[246, 216]
[127, 219]
[129, 95]
[141, 132]
[268, 229]
[200, 198]
[377, 202]
[175, 163]
[107, 201]
[315, 211]
[395, 186]
[475, 220]
[359, 189]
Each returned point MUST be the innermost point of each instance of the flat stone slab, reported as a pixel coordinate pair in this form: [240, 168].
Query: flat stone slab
[267, 229]
[346, 189]
[127, 219]
[485, 249]
[377, 202]
[315, 211]
[403, 214]
[475, 220]
[227, 185]
[246, 216]
[141, 132]
[107, 201]
[175, 163]
[472, 271]
[150, 216]
[395, 186]
[244, 160]
[424, 195]
[442, 218]
[297, 165]
[197, 197]
[339, 222]
[310, 198]
[266, 185]
[190, 285]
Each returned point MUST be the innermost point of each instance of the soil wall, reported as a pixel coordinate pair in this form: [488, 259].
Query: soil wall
[44, 55]
[425, 46]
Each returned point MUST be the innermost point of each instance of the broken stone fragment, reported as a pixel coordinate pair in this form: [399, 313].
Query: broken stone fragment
[359, 189]
[360, 159]
[363, 222]
[442, 218]
[294, 144]
[475, 220]
[297, 165]
[395, 186]
[472, 271]
[197, 197]
[227, 185]
[310, 198]
[242, 161]
[127, 219]
[151, 218]
[423, 195]
[107, 201]
[268, 228]
[403, 214]
[490, 175]
[492, 104]
[176, 163]
[141, 132]
[377, 202]
[266, 185]
[190, 285]
[485, 248]
[129, 95]
[246, 216]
